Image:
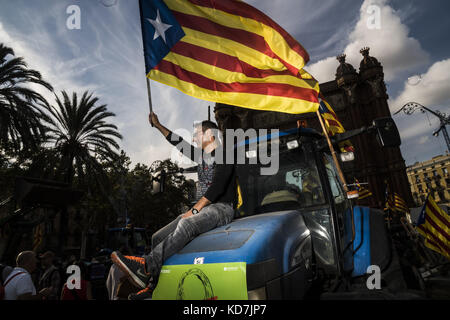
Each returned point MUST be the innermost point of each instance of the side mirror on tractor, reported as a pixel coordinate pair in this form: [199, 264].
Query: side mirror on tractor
[387, 133]
[385, 130]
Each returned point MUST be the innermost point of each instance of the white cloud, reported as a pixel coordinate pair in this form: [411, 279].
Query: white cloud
[323, 70]
[433, 89]
[60, 74]
[390, 43]
[424, 140]
[291, 14]
[401, 56]
[433, 92]
[416, 126]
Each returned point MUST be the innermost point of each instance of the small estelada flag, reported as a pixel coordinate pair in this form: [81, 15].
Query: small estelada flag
[333, 125]
[362, 192]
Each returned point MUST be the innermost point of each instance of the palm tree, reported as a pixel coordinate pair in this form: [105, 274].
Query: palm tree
[83, 142]
[80, 135]
[20, 114]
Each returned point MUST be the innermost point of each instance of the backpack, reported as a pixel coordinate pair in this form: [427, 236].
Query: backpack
[3, 285]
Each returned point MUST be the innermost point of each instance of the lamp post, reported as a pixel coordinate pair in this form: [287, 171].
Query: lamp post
[409, 109]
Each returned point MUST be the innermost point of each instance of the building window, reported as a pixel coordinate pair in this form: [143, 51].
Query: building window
[445, 171]
[435, 174]
[417, 179]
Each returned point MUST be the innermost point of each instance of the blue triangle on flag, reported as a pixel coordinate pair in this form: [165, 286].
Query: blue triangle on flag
[159, 40]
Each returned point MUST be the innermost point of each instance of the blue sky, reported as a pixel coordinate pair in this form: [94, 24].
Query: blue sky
[105, 56]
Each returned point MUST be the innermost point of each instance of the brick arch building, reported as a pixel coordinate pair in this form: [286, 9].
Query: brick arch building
[357, 98]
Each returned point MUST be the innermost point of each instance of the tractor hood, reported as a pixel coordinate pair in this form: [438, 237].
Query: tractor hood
[251, 240]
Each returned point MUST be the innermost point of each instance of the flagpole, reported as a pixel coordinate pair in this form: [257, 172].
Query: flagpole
[333, 152]
[149, 93]
[147, 69]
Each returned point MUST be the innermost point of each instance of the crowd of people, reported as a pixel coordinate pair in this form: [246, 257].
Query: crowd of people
[36, 277]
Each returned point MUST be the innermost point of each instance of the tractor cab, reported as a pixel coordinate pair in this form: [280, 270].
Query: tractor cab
[296, 233]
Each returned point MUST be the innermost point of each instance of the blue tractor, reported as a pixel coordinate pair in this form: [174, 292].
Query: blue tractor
[296, 234]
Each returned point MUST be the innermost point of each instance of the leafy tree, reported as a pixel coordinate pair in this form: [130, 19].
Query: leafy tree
[176, 198]
[132, 194]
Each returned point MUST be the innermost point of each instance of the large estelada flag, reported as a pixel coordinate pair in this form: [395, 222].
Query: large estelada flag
[333, 125]
[434, 225]
[226, 51]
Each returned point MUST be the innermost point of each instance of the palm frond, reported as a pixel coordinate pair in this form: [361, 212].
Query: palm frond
[79, 129]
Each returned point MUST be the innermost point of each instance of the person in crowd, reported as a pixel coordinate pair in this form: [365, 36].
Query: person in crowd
[50, 276]
[19, 285]
[5, 270]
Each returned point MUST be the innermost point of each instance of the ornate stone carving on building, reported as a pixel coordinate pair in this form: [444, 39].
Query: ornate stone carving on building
[371, 71]
[347, 78]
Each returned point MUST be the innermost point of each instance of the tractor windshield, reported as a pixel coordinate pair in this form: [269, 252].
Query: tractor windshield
[295, 185]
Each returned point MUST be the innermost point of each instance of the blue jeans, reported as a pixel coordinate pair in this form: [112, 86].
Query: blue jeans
[174, 236]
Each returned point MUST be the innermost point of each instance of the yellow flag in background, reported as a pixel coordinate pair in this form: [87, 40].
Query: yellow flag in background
[434, 226]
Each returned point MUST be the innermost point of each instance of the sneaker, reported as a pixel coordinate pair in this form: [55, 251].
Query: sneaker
[144, 294]
[133, 267]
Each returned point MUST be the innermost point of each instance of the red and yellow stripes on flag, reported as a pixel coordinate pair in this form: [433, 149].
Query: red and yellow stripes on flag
[363, 193]
[333, 125]
[234, 54]
[436, 228]
[396, 203]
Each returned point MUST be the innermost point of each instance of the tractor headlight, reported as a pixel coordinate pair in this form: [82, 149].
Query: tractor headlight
[347, 156]
[302, 254]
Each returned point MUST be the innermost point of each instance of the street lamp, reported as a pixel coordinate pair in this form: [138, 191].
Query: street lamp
[409, 109]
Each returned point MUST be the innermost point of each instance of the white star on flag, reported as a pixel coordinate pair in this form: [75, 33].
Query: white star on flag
[160, 27]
